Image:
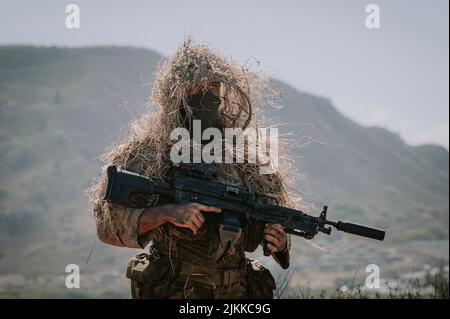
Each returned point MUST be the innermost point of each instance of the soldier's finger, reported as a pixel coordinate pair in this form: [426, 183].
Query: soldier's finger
[188, 225]
[192, 227]
[276, 227]
[208, 209]
[271, 248]
[196, 220]
[279, 228]
[273, 240]
[197, 215]
[273, 232]
[201, 217]
[193, 211]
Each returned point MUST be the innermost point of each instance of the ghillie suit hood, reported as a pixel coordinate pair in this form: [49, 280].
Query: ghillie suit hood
[243, 93]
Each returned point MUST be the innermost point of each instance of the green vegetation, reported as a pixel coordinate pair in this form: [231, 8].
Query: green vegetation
[433, 284]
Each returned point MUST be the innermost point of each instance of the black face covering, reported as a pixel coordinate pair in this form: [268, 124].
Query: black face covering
[205, 107]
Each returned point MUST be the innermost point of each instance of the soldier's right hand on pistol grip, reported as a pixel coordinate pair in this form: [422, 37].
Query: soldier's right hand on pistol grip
[189, 215]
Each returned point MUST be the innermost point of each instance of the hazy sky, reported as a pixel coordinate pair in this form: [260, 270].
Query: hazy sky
[395, 76]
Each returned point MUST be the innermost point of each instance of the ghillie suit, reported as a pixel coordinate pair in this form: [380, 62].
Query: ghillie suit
[180, 265]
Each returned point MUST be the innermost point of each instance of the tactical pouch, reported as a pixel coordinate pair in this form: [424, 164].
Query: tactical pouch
[147, 269]
[260, 281]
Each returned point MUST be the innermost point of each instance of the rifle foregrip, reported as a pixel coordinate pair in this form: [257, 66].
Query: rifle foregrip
[361, 230]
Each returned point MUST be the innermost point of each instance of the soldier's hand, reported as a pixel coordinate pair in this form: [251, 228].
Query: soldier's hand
[276, 237]
[189, 215]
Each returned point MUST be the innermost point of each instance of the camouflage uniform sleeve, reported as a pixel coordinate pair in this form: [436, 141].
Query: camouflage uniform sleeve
[283, 257]
[117, 225]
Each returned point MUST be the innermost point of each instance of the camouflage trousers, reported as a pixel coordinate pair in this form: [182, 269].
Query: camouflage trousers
[161, 279]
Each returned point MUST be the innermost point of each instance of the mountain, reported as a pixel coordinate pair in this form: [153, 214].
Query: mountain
[368, 169]
[60, 108]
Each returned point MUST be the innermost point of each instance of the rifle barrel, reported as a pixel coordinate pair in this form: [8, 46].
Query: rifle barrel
[360, 230]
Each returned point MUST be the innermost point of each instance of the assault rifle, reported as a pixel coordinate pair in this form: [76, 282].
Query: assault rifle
[238, 205]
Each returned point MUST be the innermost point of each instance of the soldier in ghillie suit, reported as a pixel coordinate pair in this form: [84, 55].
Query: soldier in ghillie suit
[195, 83]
